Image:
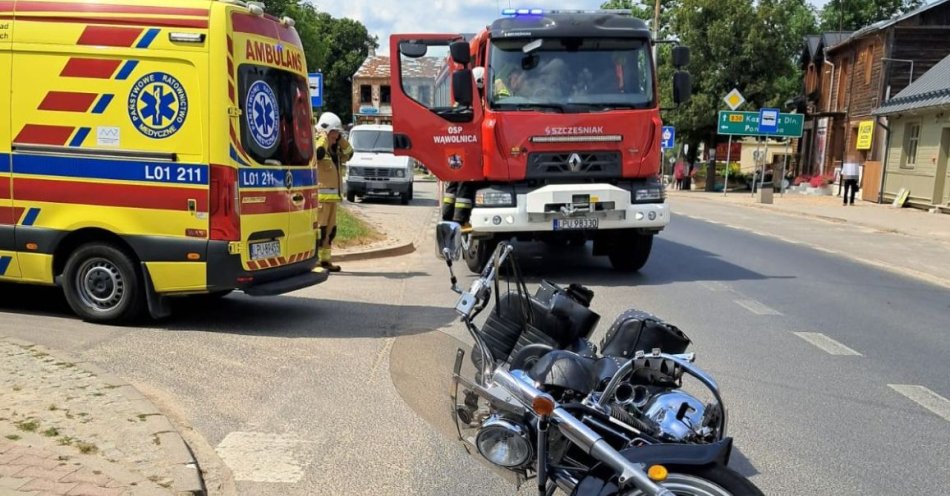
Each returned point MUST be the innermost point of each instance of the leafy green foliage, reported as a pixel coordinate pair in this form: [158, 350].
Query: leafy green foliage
[851, 15]
[335, 47]
[744, 44]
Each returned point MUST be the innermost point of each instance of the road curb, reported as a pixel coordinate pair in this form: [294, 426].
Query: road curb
[826, 218]
[385, 252]
[186, 474]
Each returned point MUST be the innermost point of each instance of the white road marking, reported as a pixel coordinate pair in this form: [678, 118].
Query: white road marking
[757, 308]
[714, 285]
[827, 344]
[925, 398]
[262, 457]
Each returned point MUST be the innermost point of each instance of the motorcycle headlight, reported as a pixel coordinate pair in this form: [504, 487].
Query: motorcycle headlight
[493, 198]
[649, 194]
[504, 443]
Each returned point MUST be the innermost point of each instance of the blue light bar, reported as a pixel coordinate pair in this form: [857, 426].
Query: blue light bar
[522, 12]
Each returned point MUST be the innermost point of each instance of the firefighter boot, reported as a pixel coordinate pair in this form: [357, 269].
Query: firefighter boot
[325, 263]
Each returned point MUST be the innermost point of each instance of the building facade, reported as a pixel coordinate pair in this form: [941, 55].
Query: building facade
[859, 73]
[919, 139]
[372, 93]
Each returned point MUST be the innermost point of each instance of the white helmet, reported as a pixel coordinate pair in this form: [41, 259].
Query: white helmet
[479, 74]
[329, 122]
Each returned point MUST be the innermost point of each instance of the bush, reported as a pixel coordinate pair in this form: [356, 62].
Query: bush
[819, 181]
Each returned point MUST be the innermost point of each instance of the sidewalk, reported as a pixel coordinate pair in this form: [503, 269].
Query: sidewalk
[909, 221]
[70, 429]
[909, 242]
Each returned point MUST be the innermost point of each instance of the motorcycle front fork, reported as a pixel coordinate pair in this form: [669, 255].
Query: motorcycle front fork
[543, 490]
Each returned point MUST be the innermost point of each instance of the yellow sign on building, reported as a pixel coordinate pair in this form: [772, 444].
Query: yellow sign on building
[865, 135]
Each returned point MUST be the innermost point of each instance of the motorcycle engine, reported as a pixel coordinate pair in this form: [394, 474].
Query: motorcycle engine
[680, 417]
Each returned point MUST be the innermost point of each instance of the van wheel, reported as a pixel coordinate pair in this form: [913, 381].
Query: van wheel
[411, 195]
[102, 285]
[404, 199]
[351, 197]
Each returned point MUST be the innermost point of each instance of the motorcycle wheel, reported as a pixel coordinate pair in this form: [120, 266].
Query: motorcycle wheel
[710, 480]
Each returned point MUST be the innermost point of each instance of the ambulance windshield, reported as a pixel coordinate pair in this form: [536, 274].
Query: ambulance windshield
[564, 74]
[276, 125]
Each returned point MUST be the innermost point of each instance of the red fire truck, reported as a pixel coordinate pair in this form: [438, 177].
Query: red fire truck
[552, 118]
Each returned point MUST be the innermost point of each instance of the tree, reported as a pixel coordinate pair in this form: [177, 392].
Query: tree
[335, 47]
[851, 15]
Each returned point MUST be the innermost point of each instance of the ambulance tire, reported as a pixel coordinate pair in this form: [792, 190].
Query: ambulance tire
[102, 284]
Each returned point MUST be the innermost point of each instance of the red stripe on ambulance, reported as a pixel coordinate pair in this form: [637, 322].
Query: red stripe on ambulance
[90, 68]
[39, 134]
[68, 101]
[109, 195]
[109, 36]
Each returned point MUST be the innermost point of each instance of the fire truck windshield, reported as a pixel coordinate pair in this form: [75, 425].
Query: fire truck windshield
[571, 74]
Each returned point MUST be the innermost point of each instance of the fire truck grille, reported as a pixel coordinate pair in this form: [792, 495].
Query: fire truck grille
[567, 164]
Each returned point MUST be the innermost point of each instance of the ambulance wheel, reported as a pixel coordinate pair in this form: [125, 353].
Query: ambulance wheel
[102, 284]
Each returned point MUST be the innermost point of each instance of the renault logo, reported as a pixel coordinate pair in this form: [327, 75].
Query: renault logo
[575, 162]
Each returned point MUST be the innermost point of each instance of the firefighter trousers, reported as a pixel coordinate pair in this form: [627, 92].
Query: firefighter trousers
[326, 218]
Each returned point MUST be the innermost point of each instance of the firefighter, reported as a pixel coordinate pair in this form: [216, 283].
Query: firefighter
[332, 151]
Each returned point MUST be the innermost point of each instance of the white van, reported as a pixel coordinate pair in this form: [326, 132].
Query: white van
[374, 170]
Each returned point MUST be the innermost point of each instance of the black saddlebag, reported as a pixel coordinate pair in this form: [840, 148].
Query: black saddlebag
[635, 330]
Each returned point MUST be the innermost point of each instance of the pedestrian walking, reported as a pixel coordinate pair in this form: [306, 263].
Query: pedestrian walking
[679, 173]
[332, 151]
[850, 173]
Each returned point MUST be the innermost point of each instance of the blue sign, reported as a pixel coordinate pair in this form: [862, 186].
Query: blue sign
[768, 120]
[315, 81]
[669, 137]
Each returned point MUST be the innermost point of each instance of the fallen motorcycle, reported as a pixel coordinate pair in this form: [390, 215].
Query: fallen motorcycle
[539, 401]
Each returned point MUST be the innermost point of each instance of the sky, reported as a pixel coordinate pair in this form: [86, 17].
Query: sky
[382, 17]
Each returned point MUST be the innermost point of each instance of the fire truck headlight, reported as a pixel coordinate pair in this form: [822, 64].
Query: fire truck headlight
[493, 198]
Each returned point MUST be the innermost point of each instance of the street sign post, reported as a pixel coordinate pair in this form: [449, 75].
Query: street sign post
[315, 81]
[733, 123]
[669, 137]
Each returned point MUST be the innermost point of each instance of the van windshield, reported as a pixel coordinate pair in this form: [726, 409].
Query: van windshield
[371, 141]
[276, 119]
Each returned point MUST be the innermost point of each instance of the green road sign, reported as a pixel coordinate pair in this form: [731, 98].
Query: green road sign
[747, 124]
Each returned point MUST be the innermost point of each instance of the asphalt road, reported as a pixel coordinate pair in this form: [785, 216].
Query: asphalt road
[307, 394]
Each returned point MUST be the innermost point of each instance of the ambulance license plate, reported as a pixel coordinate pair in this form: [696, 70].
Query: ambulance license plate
[576, 224]
[267, 249]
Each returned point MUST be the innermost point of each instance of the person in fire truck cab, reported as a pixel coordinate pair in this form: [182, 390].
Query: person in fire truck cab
[510, 81]
[333, 151]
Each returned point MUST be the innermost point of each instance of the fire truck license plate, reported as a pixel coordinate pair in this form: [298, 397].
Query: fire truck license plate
[576, 224]
[268, 249]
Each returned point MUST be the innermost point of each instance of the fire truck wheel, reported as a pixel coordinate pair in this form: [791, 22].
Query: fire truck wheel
[102, 284]
[478, 252]
[630, 252]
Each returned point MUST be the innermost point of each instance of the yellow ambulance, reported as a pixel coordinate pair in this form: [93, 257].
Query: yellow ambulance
[154, 148]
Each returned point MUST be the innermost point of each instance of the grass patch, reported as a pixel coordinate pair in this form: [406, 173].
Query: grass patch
[66, 441]
[51, 432]
[27, 425]
[86, 448]
[352, 230]
[17, 388]
[12, 437]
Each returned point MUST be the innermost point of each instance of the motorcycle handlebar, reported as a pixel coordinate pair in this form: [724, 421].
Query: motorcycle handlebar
[522, 388]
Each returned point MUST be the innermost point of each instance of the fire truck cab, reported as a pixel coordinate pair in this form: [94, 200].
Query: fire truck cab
[558, 130]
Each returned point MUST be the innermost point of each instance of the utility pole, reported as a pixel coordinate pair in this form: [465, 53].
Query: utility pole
[656, 28]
